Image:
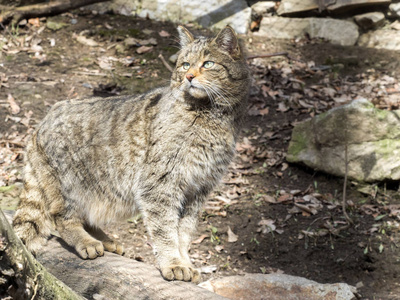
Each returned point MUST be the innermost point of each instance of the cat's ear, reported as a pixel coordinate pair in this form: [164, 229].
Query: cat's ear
[185, 37]
[227, 40]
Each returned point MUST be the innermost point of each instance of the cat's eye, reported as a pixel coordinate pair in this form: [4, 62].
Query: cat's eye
[208, 64]
[186, 66]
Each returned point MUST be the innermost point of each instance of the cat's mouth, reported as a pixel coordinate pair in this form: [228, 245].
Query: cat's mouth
[195, 87]
[197, 92]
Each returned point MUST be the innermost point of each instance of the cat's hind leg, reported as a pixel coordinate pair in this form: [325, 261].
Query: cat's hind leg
[109, 244]
[73, 233]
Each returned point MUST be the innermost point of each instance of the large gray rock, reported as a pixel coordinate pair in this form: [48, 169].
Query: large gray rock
[372, 137]
[208, 13]
[263, 7]
[381, 39]
[394, 10]
[338, 32]
[370, 20]
[344, 5]
[293, 7]
[277, 287]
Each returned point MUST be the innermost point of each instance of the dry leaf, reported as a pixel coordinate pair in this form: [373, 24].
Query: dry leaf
[25, 121]
[35, 22]
[13, 105]
[282, 107]
[295, 192]
[143, 49]
[232, 238]
[200, 239]
[219, 248]
[151, 41]
[208, 269]
[163, 33]
[105, 63]
[85, 41]
[266, 226]
[269, 199]
[285, 197]
[264, 111]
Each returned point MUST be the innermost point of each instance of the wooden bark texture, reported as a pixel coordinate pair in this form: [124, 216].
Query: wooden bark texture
[112, 276]
[22, 275]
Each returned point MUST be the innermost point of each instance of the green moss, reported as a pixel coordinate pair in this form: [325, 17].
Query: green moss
[298, 143]
[53, 25]
[5, 189]
[387, 147]
[381, 114]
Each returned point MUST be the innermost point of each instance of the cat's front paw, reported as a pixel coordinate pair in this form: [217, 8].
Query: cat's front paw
[113, 246]
[90, 249]
[181, 272]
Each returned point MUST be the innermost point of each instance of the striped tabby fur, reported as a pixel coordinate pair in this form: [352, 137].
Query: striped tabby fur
[93, 161]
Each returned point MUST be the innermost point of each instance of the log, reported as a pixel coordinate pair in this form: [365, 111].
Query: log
[113, 276]
[16, 14]
[21, 275]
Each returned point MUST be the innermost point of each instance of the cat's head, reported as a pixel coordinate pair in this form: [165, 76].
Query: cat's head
[214, 69]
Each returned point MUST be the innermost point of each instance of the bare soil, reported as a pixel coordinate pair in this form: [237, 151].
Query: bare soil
[267, 215]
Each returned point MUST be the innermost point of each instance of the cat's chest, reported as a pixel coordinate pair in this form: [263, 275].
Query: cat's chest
[203, 150]
[192, 141]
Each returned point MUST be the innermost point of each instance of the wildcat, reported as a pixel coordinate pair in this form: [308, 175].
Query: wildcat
[161, 153]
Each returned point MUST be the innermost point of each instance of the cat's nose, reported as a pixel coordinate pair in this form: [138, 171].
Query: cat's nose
[189, 77]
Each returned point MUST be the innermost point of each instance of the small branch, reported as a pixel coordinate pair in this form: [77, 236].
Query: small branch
[18, 144]
[28, 277]
[348, 219]
[167, 65]
[16, 14]
[304, 208]
[269, 55]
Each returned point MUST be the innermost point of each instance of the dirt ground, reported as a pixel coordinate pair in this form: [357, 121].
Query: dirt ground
[267, 215]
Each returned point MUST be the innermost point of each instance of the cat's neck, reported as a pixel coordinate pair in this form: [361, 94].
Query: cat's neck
[201, 114]
[206, 107]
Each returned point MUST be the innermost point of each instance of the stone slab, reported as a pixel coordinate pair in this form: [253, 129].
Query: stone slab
[210, 13]
[278, 287]
[344, 5]
[381, 39]
[370, 20]
[293, 7]
[338, 32]
[263, 7]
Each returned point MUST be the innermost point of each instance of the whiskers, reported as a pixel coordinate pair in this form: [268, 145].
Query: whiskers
[218, 96]
[220, 99]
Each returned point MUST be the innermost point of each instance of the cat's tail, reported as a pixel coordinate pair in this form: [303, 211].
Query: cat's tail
[33, 219]
[30, 223]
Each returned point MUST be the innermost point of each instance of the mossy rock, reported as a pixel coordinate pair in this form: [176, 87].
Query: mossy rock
[371, 135]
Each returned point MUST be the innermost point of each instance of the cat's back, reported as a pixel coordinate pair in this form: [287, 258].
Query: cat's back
[81, 113]
[80, 121]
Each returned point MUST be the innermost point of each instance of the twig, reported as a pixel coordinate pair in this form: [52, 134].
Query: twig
[165, 63]
[18, 144]
[35, 289]
[348, 219]
[269, 55]
[15, 14]
[304, 208]
[89, 73]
